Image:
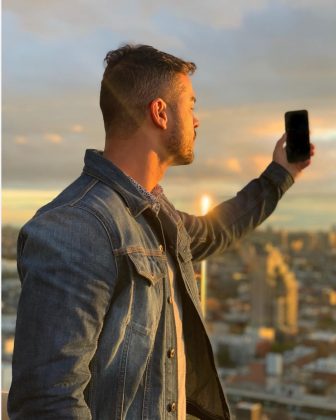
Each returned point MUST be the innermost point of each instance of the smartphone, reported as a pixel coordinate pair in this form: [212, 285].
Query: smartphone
[297, 130]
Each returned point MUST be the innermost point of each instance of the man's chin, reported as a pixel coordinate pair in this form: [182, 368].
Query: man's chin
[184, 160]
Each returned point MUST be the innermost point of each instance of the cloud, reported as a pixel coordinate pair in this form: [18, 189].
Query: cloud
[233, 165]
[78, 17]
[77, 128]
[312, 5]
[61, 20]
[326, 134]
[260, 162]
[223, 14]
[53, 138]
[256, 60]
[229, 165]
[323, 127]
[278, 52]
[20, 140]
[267, 128]
[21, 205]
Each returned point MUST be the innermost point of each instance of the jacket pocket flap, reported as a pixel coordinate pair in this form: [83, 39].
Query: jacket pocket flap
[153, 268]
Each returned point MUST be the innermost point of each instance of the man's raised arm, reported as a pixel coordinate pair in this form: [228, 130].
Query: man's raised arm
[238, 216]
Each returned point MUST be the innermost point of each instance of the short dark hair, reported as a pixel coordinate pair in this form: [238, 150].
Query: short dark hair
[135, 75]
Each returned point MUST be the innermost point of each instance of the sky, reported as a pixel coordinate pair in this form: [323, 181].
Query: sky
[255, 61]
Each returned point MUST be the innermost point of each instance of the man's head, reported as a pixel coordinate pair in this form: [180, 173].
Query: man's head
[134, 77]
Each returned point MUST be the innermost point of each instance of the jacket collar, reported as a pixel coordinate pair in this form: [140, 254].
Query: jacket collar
[105, 171]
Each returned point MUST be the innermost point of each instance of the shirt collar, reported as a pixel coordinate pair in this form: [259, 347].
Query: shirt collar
[152, 196]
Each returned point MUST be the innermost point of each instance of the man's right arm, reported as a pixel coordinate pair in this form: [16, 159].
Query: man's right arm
[234, 218]
[68, 274]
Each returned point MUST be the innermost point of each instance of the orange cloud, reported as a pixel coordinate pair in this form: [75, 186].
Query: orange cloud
[21, 140]
[261, 161]
[53, 138]
[233, 165]
[77, 128]
[271, 128]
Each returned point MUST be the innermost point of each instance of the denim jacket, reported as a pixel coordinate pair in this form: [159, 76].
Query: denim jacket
[95, 325]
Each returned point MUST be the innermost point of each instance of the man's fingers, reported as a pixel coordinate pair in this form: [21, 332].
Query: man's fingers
[282, 141]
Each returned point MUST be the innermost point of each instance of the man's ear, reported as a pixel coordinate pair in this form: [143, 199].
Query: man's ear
[158, 112]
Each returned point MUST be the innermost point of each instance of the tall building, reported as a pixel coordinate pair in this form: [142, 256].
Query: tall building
[332, 237]
[274, 292]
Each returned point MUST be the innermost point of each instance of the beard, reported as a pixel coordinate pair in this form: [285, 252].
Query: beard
[179, 146]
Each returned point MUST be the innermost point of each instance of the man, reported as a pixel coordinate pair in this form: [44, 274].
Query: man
[109, 323]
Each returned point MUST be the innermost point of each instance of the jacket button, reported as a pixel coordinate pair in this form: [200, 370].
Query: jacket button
[171, 407]
[161, 248]
[171, 353]
[170, 300]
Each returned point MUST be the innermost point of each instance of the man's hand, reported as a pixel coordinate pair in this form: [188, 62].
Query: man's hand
[279, 156]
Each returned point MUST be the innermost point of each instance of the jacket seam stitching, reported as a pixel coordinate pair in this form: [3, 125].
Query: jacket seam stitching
[147, 389]
[138, 249]
[97, 178]
[83, 193]
[122, 379]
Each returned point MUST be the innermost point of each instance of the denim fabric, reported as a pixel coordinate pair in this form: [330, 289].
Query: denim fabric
[94, 324]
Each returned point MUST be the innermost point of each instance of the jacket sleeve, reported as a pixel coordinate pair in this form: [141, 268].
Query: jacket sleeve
[234, 218]
[68, 273]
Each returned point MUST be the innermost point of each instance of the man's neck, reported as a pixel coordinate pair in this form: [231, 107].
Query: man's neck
[143, 165]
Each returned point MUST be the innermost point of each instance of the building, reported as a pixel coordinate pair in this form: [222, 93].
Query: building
[274, 292]
[248, 411]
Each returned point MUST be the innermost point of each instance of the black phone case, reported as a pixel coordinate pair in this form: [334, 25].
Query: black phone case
[297, 130]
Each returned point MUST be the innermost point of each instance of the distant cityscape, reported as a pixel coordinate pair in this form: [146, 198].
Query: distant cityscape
[271, 316]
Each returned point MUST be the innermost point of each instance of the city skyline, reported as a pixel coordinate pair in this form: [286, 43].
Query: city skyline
[255, 61]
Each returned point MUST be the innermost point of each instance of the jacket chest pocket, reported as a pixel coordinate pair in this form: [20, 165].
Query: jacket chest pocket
[151, 268]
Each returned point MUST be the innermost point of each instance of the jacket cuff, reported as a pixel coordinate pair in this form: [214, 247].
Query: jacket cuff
[279, 176]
